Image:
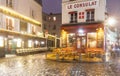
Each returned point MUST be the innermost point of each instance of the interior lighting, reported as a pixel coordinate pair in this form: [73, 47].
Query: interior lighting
[81, 31]
[36, 42]
[19, 42]
[42, 42]
[54, 18]
[71, 34]
[30, 43]
[1, 42]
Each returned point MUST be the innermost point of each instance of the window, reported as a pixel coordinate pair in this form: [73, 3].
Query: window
[9, 24]
[54, 33]
[49, 26]
[91, 41]
[54, 18]
[73, 17]
[33, 29]
[100, 38]
[81, 15]
[71, 39]
[54, 28]
[32, 14]
[9, 3]
[90, 14]
[49, 18]
[44, 18]
[44, 26]
[23, 26]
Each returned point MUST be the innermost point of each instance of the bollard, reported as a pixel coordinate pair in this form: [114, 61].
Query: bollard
[46, 55]
[57, 56]
[80, 57]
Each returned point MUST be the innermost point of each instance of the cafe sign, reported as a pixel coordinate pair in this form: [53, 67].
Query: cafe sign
[83, 4]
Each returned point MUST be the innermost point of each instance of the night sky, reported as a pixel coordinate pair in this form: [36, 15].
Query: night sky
[54, 6]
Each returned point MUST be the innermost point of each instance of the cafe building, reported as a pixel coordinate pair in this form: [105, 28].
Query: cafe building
[20, 25]
[83, 23]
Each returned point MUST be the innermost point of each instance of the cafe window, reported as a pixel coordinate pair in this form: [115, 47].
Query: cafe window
[73, 17]
[92, 40]
[9, 24]
[90, 15]
[33, 29]
[9, 3]
[23, 26]
[100, 38]
[71, 39]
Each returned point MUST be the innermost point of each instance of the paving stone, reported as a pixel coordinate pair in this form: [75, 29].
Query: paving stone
[37, 65]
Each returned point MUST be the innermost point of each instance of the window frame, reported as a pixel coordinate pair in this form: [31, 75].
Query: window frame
[73, 16]
[90, 15]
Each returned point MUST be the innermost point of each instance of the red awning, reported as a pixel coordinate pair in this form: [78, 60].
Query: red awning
[72, 12]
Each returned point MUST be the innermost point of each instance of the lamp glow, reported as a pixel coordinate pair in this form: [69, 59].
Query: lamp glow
[111, 21]
[81, 31]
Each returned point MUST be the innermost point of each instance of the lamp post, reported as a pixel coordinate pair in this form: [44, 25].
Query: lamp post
[46, 36]
[109, 22]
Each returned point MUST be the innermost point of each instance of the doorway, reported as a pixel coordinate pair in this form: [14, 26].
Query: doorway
[81, 42]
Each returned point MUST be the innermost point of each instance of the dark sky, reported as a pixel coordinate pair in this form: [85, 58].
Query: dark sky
[52, 6]
[55, 6]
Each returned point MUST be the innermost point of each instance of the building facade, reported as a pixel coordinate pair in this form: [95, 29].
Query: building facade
[83, 23]
[52, 25]
[20, 25]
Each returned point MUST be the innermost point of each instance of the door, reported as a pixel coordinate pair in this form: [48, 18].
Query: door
[81, 42]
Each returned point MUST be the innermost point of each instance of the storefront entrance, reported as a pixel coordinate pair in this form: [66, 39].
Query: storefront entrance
[81, 42]
[11, 46]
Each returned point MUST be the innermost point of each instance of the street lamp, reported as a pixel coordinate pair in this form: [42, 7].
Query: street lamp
[109, 22]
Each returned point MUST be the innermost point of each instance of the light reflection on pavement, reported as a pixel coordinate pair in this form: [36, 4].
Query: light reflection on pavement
[37, 65]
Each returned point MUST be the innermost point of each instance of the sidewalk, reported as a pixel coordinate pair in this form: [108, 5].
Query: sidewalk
[115, 65]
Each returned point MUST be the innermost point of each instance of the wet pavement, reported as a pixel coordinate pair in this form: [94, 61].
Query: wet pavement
[115, 65]
[37, 65]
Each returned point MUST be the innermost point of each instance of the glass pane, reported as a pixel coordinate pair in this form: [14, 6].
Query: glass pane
[91, 40]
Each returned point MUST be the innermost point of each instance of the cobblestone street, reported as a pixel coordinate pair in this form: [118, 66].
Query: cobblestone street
[37, 65]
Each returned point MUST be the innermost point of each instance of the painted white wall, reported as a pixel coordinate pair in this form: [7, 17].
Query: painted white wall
[99, 11]
[24, 7]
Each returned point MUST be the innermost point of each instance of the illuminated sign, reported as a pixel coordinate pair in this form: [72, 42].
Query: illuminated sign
[83, 4]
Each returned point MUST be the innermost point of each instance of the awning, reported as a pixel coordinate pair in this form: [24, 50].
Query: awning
[14, 33]
[72, 12]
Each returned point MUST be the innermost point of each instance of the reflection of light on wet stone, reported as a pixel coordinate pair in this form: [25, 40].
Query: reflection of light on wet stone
[3, 68]
[36, 65]
[19, 64]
